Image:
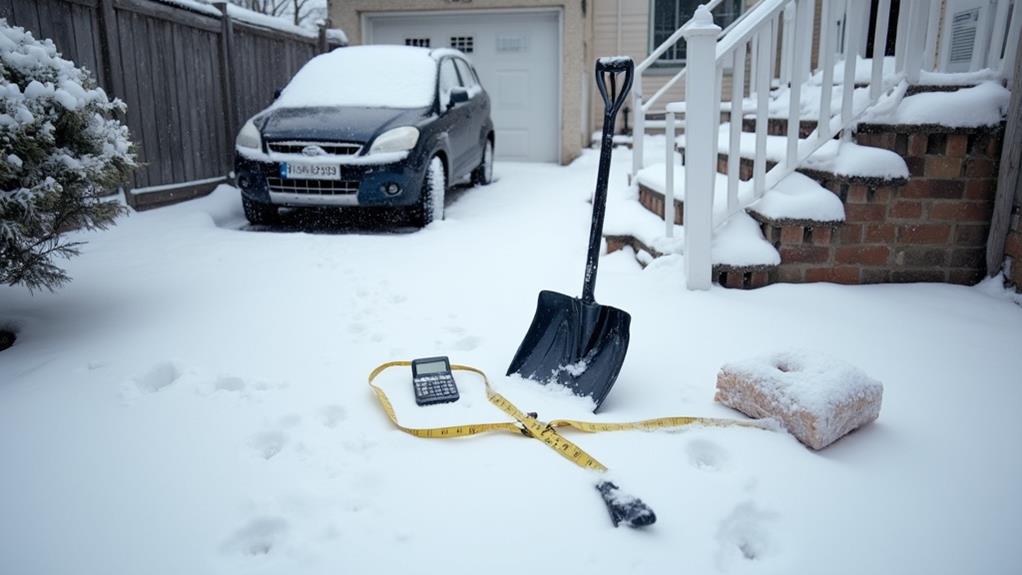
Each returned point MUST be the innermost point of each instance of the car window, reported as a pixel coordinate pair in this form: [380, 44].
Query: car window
[468, 79]
[448, 80]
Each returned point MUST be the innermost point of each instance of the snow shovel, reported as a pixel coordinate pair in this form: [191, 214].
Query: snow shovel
[578, 342]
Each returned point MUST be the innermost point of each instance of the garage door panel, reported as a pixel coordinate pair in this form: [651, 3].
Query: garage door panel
[516, 56]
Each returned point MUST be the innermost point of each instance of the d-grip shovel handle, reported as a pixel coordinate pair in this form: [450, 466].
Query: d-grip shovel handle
[605, 68]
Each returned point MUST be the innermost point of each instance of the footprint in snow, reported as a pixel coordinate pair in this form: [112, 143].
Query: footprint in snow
[268, 443]
[228, 383]
[706, 455]
[158, 377]
[744, 535]
[332, 415]
[258, 537]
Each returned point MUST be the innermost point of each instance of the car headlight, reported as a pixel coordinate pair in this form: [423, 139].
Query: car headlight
[249, 137]
[396, 140]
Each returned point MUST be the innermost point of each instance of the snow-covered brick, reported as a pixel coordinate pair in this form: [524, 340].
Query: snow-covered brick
[817, 398]
[379, 76]
[740, 242]
[982, 105]
[798, 197]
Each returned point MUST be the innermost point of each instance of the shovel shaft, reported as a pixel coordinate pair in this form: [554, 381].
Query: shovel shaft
[605, 68]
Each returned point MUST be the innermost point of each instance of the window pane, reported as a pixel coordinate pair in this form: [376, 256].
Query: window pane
[669, 15]
[467, 78]
[448, 80]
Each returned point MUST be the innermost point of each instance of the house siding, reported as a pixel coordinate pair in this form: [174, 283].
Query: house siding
[349, 15]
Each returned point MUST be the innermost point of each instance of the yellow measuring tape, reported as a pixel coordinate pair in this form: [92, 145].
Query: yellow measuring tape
[533, 427]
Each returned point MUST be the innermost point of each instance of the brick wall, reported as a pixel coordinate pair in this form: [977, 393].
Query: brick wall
[653, 201]
[931, 228]
[1013, 244]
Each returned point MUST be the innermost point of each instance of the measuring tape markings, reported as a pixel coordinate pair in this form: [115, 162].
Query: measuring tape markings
[532, 427]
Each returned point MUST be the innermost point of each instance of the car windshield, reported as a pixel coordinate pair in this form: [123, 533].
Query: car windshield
[375, 76]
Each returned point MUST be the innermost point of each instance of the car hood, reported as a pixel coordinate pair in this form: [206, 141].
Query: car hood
[345, 124]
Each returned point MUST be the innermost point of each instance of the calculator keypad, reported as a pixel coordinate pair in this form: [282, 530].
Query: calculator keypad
[435, 389]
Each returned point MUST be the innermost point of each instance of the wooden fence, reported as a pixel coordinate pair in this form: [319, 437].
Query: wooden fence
[189, 76]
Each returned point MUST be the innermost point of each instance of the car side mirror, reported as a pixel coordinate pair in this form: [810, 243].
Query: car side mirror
[458, 95]
[277, 92]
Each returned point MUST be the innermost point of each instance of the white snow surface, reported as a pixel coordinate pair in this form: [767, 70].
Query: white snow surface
[739, 242]
[981, 105]
[196, 402]
[798, 197]
[379, 76]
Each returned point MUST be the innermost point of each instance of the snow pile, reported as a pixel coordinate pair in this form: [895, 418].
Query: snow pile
[739, 242]
[982, 105]
[863, 71]
[378, 76]
[798, 197]
[818, 399]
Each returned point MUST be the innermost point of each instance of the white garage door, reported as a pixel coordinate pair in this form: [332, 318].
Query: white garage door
[517, 57]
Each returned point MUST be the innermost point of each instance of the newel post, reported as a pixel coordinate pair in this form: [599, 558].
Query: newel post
[702, 118]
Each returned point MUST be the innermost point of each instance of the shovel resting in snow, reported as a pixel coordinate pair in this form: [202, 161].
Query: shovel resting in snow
[576, 341]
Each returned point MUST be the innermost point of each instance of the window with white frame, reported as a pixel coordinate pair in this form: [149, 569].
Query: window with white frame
[420, 42]
[666, 16]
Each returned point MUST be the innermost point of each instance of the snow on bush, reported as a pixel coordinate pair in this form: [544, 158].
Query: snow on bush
[60, 150]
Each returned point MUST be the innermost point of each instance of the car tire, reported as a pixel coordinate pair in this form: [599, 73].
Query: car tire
[258, 213]
[431, 200]
[483, 174]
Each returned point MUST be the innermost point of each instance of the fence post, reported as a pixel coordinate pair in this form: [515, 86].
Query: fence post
[227, 82]
[702, 116]
[323, 42]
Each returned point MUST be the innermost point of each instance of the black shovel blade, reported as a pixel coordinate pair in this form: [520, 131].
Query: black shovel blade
[577, 344]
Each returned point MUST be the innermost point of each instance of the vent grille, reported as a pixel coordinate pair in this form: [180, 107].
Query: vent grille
[331, 148]
[963, 35]
[313, 187]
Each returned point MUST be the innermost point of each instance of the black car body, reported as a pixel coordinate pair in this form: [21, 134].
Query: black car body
[310, 152]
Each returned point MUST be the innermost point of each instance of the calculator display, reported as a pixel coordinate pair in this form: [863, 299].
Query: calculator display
[431, 367]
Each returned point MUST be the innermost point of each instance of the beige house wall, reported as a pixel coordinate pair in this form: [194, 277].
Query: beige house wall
[349, 15]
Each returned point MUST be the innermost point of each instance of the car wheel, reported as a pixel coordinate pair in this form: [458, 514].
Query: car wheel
[258, 213]
[483, 174]
[431, 201]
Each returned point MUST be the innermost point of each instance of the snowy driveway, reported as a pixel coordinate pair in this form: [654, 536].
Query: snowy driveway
[195, 402]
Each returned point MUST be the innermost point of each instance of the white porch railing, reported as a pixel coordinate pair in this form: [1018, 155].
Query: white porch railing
[757, 42]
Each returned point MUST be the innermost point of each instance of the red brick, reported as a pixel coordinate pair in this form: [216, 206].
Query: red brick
[865, 212]
[789, 274]
[981, 189]
[979, 168]
[943, 167]
[966, 277]
[961, 211]
[927, 188]
[916, 166]
[864, 255]
[791, 235]
[822, 235]
[971, 235]
[841, 275]
[804, 254]
[733, 279]
[957, 145]
[883, 195]
[880, 233]
[759, 279]
[924, 233]
[903, 209]
[917, 144]
[857, 194]
[994, 147]
[851, 233]
[1013, 247]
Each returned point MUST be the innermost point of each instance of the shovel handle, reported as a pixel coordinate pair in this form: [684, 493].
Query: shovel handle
[607, 69]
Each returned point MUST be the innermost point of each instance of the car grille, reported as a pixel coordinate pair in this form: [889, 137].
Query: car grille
[331, 148]
[313, 187]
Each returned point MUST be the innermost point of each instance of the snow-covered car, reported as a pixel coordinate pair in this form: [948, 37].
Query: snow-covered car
[368, 126]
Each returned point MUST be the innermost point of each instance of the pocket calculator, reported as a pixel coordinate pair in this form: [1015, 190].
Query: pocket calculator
[432, 381]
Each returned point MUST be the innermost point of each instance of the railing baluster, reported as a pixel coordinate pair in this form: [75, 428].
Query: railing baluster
[901, 40]
[826, 58]
[807, 43]
[734, 156]
[848, 81]
[787, 43]
[638, 127]
[669, 136]
[916, 40]
[876, 84]
[795, 92]
[764, 39]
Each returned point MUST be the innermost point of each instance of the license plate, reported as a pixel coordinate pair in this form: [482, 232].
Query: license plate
[310, 171]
